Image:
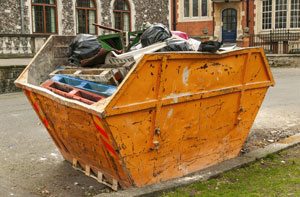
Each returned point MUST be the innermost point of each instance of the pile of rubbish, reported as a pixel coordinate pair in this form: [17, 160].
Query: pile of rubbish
[96, 70]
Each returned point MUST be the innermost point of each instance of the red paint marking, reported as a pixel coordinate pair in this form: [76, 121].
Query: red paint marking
[36, 107]
[98, 118]
[28, 92]
[46, 122]
[101, 130]
[109, 148]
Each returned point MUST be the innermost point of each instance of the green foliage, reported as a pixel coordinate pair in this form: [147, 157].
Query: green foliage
[275, 175]
[271, 156]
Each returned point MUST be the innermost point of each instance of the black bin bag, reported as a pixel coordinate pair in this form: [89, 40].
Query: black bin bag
[84, 46]
[177, 45]
[155, 33]
[210, 46]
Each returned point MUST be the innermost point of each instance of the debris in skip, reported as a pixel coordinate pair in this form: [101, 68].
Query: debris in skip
[136, 108]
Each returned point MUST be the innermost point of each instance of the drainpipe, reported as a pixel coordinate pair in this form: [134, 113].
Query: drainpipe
[22, 16]
[174, 15]
[247, 13]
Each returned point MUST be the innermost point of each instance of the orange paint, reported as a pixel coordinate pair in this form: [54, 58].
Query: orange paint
[109, 148]
[101, 131]
[174, 114]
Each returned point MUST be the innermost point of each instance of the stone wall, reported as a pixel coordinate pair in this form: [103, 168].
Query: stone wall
[8, 74]
[153, 11]
[67, 18]
[10, 20]
[284, 60]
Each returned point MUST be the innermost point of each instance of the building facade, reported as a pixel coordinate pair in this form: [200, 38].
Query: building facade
[229, 20]
[222, 20]
[71, 17]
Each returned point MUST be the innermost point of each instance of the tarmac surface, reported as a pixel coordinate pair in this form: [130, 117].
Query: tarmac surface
[279, 116]
[31, 165]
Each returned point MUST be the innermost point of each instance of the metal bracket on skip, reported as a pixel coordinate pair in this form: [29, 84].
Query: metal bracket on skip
[113, 58]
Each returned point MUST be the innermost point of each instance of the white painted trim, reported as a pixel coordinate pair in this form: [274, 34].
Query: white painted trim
[29, 15]
[59, 7]
[132, 14]
[170, 15]
[99, 16]
[181, 17]
[74, 17]
[258, 18]
[112, 18]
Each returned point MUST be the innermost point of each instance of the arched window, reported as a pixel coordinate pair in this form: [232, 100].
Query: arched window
[44, 16]
[86, 15]
[122, 15]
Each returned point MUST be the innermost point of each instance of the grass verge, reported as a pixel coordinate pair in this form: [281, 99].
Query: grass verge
[275, 175]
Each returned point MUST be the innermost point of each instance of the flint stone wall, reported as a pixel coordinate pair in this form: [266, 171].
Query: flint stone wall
[10, 20]
[8, 74]
[153, 11]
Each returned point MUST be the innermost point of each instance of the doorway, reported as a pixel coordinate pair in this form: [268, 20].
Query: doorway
[229, 19]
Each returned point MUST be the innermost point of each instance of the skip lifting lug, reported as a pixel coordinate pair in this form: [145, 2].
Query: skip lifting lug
[155, 142]
[157, 131]
[156, 145]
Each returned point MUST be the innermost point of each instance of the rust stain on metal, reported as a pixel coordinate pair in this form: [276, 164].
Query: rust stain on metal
[173, 115]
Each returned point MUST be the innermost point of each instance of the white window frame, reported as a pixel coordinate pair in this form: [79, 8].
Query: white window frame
[281, 11]
[268, 12]
[190, 18]
[297, 18]
[288, 20]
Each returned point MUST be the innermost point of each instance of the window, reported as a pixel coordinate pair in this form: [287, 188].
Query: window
[204, 7]
[86, 15]
[267, 14]
[186, 8]
[295, 14]
[121, 12]
[195, 8]
[280, 14]
[44, 16]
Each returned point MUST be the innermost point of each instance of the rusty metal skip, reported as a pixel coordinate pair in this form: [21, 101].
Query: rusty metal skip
[173, 114]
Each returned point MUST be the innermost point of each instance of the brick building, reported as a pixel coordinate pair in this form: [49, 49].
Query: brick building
[228, 20]
[222, 20]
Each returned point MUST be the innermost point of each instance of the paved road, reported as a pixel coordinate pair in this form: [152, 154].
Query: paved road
[281, 107]
[30, 164]
[279, 116]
